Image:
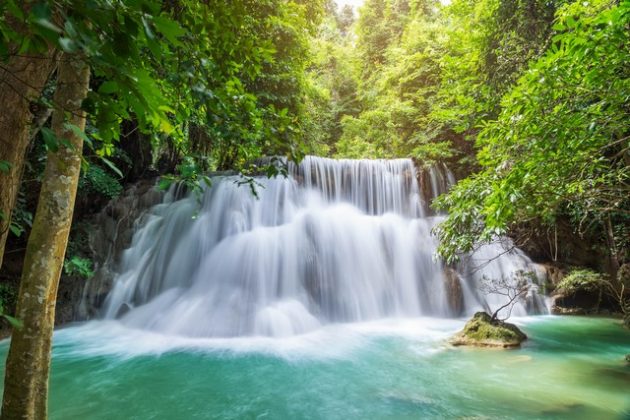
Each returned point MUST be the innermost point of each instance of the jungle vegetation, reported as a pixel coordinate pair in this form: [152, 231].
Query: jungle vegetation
[527, 101]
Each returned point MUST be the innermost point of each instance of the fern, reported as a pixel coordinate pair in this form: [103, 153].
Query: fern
[96, 180]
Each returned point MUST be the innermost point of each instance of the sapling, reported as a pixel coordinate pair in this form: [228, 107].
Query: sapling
[513, 288]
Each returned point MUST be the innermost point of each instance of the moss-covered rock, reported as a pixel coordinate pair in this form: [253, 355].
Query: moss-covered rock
[481, 331]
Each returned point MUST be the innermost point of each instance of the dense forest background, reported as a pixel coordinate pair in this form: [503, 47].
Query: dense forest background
[527, 102]
[529, 97]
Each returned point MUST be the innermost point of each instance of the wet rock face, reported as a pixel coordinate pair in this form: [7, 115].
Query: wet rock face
[454, 294]
[481, 331]
[554, 275]
[113, 231]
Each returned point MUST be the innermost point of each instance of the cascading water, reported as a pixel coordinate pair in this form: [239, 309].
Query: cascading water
[335, 241]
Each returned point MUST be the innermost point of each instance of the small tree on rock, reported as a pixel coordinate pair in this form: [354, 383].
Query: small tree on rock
[514, 289]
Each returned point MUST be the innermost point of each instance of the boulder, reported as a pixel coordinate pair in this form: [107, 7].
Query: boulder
[482, 331]
[554, 275]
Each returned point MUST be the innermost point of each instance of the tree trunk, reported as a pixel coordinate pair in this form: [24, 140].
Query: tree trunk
[28, 362]
[22, 80]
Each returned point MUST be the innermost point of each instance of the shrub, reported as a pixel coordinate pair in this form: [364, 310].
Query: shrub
[78, 266]
[582, 280]
[95, 179]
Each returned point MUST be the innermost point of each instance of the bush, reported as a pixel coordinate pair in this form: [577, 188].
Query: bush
[8, 296]
[78, 266]
[96, 180]
[582, 280]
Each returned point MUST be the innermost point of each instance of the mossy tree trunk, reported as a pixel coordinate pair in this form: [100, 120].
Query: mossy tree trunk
[28, 362]
[22, 80]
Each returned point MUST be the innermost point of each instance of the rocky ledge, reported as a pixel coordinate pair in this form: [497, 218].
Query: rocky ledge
[482, 331]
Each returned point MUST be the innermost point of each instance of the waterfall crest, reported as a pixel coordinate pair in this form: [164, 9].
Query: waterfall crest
[335, 241]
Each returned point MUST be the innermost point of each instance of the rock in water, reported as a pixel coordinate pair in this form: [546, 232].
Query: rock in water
[481, 331]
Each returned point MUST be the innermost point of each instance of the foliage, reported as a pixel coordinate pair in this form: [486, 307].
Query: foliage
[255, 83]
[560, 144]
[120, 41]
[97, 180]
[582, 280]
[426, 74]
[21, 217]
[78, 266]
[8, 295]
[331, 81]
[236, 69]
[586, 280]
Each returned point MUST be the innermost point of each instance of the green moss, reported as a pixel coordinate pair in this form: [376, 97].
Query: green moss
[482, 331]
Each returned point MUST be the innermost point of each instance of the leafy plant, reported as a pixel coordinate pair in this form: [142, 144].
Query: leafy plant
[96, 179]
[8, 296]
[21, 218]
[561, 140]
[590, 281]
[78, 266]
[582, 280]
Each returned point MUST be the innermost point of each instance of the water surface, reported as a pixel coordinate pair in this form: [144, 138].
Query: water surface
[393, 369]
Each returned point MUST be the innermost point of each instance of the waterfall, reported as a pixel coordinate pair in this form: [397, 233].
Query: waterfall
[334, 241]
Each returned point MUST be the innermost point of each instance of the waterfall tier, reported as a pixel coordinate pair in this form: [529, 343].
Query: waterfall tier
[335, 241]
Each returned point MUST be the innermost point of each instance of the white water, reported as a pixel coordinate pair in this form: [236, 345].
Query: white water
[336, 241]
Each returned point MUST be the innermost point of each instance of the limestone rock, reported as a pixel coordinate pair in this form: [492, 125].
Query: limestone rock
[481, 331]
[454, 294]
[554, 275]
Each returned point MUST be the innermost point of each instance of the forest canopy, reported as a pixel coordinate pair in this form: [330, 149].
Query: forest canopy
[528, 102]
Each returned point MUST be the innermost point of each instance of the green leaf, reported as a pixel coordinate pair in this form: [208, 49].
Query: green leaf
[68, 45]
[15, 323]
[5, 166]
[16, 229]
[41, 15]
[108, 87]
[78, 266]
[50, 139]
[147, 28]
[123, 44]
[112, 166]
[169, 28]
[15, 9]
[45, 23]
[79, 133]
[165, 183]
